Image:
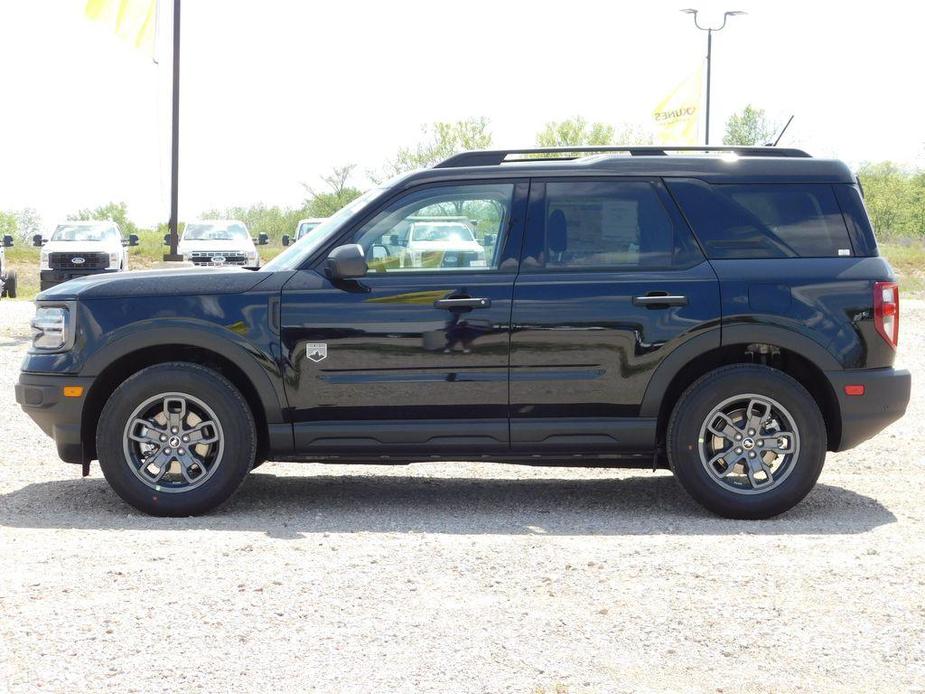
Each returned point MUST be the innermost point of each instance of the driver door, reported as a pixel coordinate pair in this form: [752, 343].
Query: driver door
[411, 359]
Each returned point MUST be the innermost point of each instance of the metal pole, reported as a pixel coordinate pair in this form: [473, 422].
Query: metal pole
[709, 55]
[175, 137]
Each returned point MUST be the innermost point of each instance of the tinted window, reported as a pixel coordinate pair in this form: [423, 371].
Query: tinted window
[445, 228]
[608, 224]
[764, 220]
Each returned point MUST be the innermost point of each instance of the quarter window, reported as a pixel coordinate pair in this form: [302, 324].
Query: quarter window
[778, 220]
[443, 229]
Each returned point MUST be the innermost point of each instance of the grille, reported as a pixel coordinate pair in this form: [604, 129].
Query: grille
[65, 261]
[206, 257]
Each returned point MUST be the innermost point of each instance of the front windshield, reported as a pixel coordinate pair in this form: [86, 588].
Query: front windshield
[79, 232]
[215, 231]
[441, 232]
[295, 255]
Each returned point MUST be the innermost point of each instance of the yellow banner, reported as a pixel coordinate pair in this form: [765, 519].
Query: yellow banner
[677, 116]
[132, 20]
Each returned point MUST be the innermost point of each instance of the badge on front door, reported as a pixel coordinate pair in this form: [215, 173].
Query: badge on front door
[316, 351]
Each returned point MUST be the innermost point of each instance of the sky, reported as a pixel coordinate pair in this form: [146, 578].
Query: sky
[276, 93]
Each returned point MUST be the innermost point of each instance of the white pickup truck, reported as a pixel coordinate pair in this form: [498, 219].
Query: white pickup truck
[7, 276]
[78, 249]
[218, 242]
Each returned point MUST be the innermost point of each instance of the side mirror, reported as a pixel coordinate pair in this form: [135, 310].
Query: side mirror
[166, 239]
[7, 241]
[489, 239]
[286, 240]
[133, 240]
[37, 240]
[346, 262]
[263, 239]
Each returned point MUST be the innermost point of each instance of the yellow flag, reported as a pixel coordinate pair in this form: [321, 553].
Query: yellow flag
[132, 20]
[677, 116]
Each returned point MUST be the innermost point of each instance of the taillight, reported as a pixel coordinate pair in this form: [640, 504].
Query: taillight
[886, 311]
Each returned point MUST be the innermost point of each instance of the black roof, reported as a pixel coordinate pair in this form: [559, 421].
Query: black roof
[714, 164]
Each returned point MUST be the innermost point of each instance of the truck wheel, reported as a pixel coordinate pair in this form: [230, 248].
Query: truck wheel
[746, 441]
[176, 439]
[10, 286]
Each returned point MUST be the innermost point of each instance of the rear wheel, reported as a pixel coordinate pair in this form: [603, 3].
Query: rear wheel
[747, 441]
[176, 439]
[10, 286]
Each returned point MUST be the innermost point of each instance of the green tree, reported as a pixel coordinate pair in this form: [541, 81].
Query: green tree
[8, 226]
[442, 139]
[895, 199]
[28, 223]
[749, 127]
[114, 212]
[327, 202]
[575, 132]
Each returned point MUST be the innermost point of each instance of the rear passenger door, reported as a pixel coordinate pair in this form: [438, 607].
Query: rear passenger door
[611, 282]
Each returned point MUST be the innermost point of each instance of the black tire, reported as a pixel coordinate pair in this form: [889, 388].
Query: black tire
[11, 284]
[238, 435]
[726, 383]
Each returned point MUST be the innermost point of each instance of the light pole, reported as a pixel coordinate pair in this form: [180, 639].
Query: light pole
[710, 30]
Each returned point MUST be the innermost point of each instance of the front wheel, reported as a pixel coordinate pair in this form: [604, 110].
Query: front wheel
[10, 286]
[176, 439]
[747, 441]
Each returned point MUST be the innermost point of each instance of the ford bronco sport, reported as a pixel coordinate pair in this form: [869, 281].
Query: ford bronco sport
[723, 313]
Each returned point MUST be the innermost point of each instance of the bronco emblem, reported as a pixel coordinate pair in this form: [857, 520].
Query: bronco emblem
[316, 351]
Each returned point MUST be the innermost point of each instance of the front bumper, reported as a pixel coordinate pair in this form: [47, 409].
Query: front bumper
[49, 278]
[41, 397]
[886, 395]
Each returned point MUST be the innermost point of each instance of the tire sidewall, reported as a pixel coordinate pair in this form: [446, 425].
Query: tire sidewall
[700, 399]
[229, 407]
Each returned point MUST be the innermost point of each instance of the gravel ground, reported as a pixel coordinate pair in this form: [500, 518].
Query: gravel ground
[461, 577]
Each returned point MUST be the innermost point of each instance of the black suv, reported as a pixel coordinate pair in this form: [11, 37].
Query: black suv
[722, 313]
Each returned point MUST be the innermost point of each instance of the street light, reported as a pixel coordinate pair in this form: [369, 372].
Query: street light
[710, 30]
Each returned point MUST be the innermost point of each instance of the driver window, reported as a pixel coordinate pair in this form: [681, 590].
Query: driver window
[445, 228]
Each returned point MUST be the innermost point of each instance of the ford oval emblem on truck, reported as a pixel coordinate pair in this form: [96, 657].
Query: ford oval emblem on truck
[78, 261]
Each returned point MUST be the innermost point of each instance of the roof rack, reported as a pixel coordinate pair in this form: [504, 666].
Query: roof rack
[495, 157]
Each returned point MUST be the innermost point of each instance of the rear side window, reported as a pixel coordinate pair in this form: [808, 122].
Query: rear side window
[620, 225]
[776, 220]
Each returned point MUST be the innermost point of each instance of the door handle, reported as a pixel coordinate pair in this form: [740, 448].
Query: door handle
[461, 303]
[660, 300]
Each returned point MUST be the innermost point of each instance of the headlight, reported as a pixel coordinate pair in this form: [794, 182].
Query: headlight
[115, 259]
[52, 329]
[252, 255]
[44, 265]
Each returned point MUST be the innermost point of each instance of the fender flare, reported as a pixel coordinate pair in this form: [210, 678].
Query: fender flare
[695, 347]
[257, 366]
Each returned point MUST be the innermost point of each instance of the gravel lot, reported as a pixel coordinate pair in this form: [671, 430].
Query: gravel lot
[461, 577]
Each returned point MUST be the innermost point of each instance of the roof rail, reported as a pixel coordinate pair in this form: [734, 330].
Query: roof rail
[494, 157]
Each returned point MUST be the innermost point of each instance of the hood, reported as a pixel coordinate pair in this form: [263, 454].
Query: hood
[78, 247]
[238, 245]
[179, 282]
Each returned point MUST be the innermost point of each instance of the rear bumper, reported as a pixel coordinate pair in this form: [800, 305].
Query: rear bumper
[49, 278]
[886, 395]
[41, 397]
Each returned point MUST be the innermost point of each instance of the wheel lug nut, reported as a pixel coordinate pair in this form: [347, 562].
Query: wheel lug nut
[181, 451]
[167, 451]
[185, 439]
[163, 437]
[752, 454]
[751, 432]
[759, 443]
[173, 430]
[738, 437]
[738, 450]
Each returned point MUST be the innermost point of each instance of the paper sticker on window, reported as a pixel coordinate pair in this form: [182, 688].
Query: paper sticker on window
[844, 251]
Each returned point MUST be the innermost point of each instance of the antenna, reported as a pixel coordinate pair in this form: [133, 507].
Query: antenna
[787, 125]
